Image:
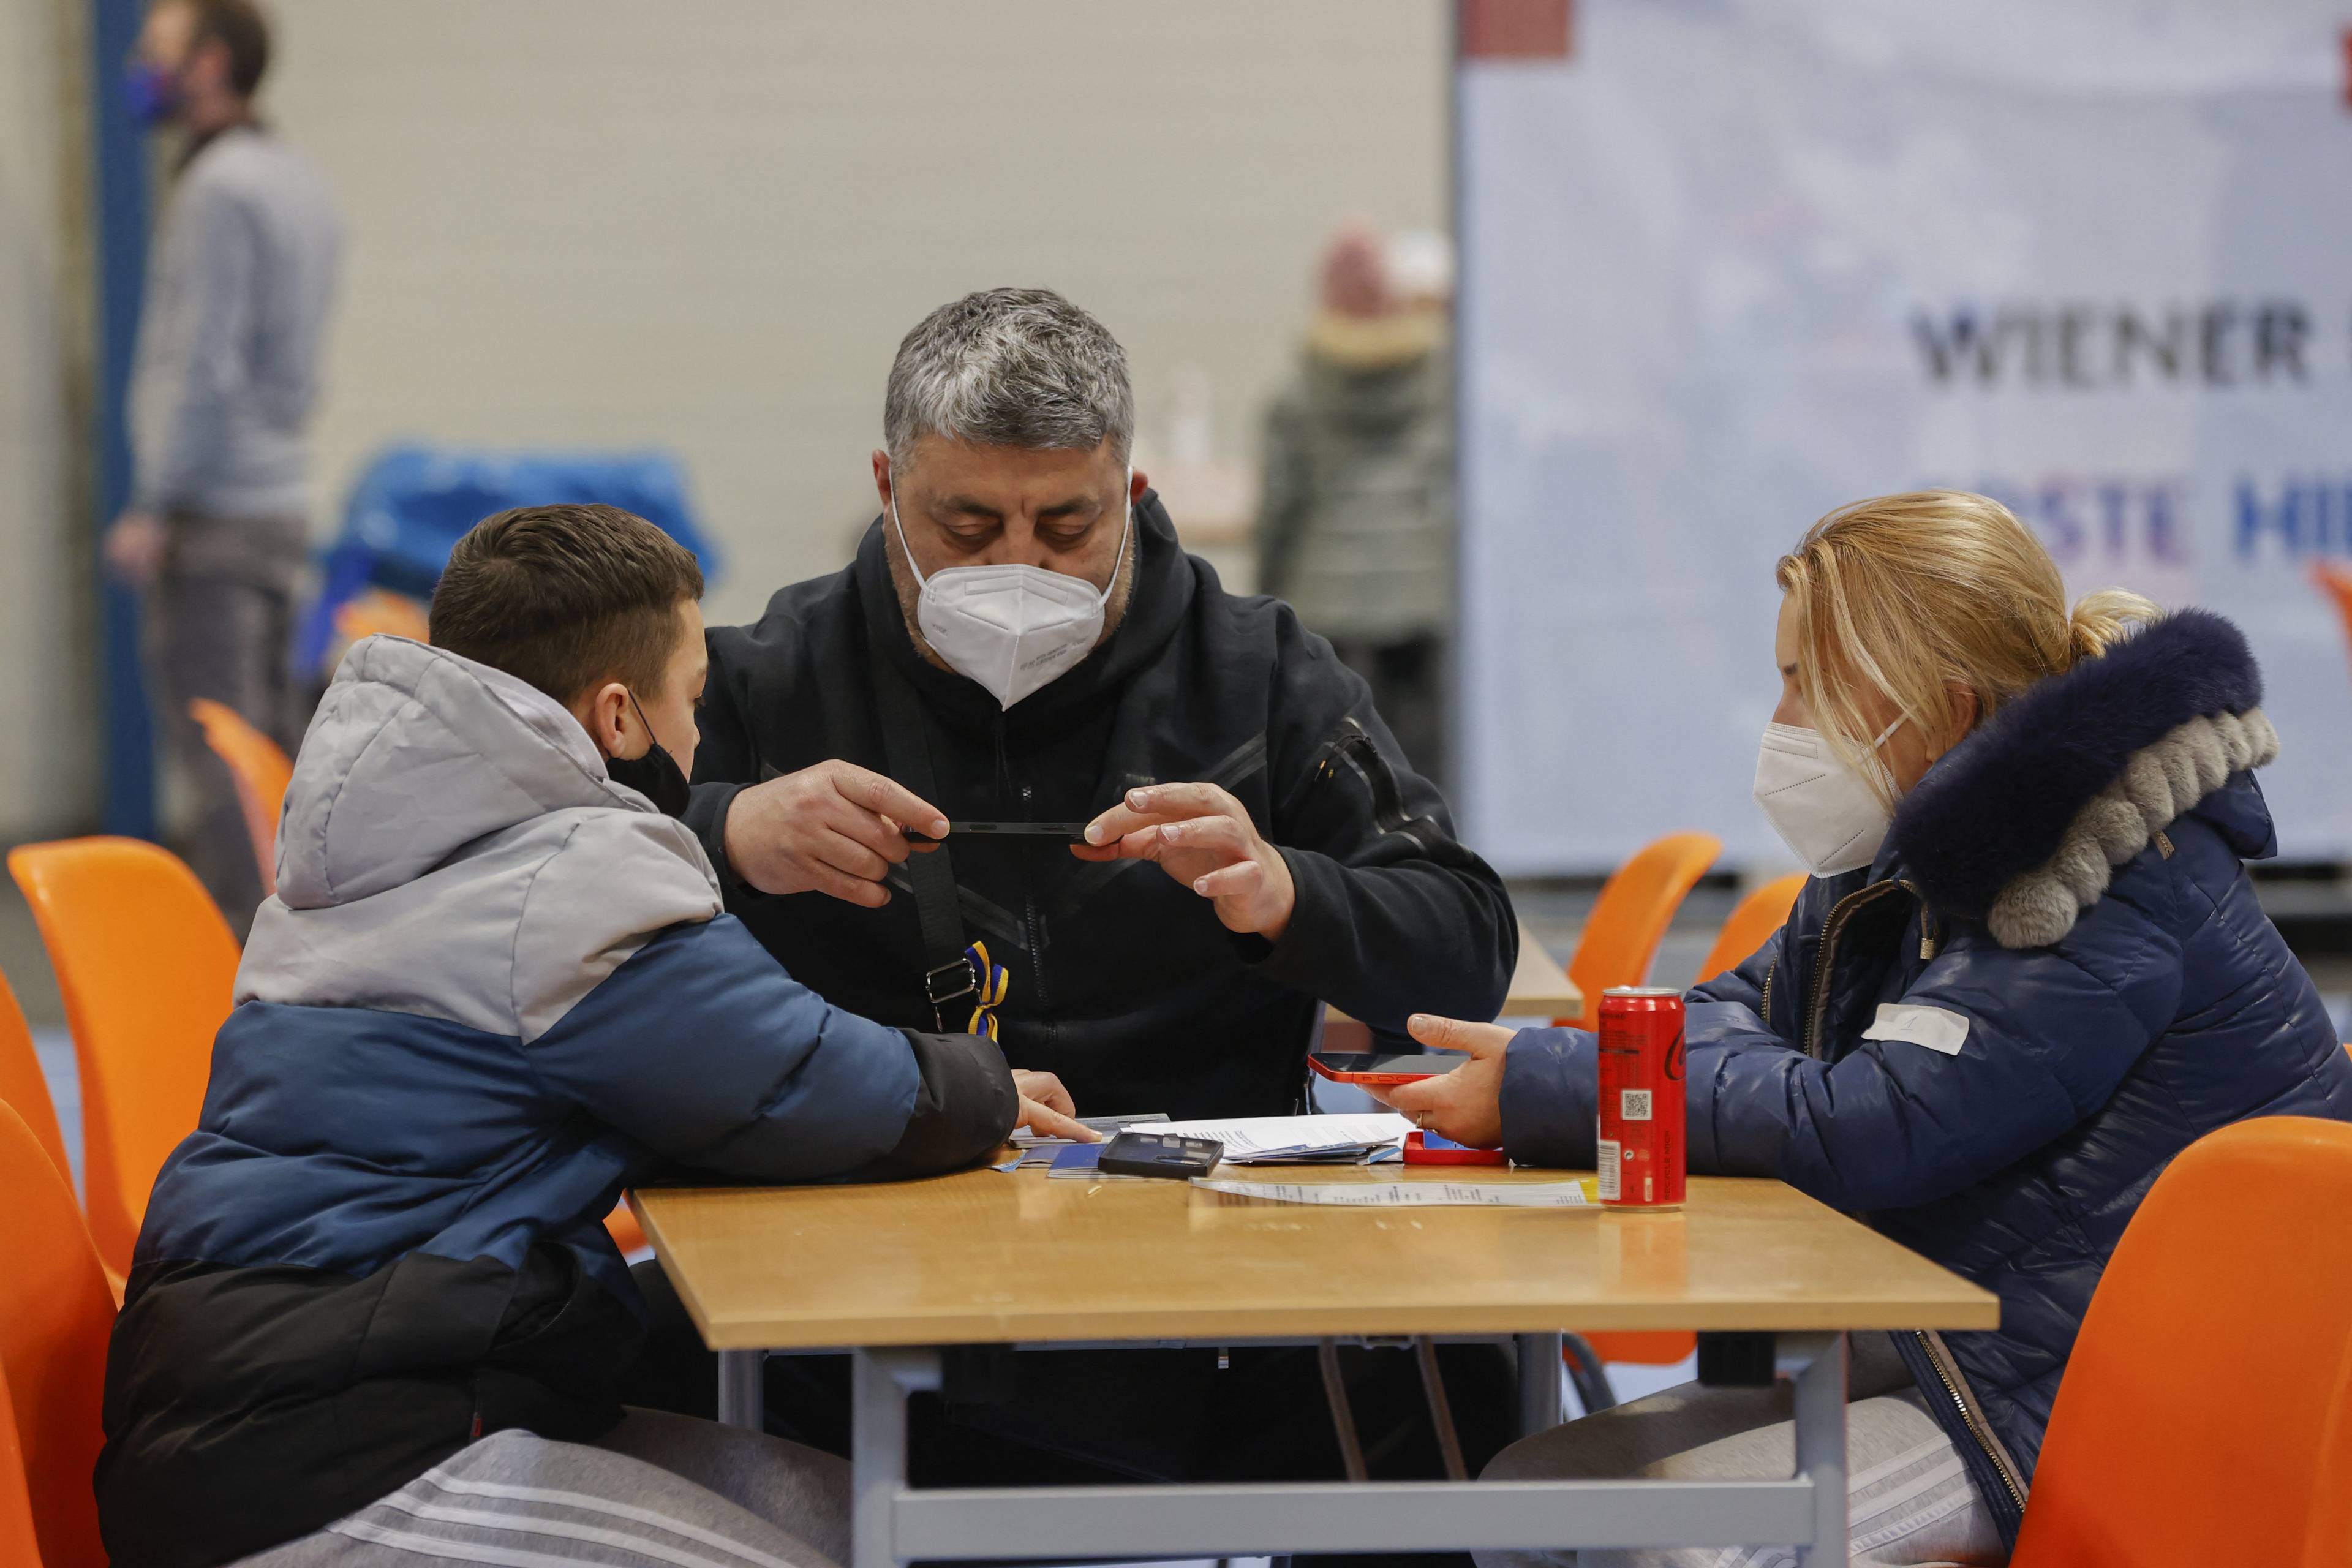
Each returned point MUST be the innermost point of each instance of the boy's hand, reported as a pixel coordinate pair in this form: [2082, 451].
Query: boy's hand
[1047, 1109]
[833, 828]
[1466, 1104]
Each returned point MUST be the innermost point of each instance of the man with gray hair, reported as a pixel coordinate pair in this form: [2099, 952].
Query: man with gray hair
[1022, 642]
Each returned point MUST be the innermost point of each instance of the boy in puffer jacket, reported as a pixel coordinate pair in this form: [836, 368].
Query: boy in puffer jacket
[374, 1313]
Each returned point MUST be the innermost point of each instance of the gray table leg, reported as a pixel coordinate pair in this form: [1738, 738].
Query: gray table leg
[1821, 1439]
[879, 1384]
[1539, 1375]
[742, 1389]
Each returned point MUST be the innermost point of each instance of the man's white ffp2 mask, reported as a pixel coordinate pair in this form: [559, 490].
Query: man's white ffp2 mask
[1013, 629]
[1820, 808]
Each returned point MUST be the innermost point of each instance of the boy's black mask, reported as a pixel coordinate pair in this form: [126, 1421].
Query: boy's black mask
[656, 775]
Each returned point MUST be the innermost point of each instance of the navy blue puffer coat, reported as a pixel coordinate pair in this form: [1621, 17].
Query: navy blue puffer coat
[2054, 978]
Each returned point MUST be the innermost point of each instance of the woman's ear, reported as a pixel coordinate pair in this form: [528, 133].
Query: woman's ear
[1966, 710]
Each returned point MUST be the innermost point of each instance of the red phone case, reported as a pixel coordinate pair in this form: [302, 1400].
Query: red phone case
[1316, 1062]
[1416, 1153]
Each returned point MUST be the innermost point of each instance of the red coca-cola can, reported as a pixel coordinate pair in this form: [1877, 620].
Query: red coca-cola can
[1641, 1109]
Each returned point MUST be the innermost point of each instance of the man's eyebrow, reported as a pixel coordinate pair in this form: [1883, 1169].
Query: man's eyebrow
[966, 503]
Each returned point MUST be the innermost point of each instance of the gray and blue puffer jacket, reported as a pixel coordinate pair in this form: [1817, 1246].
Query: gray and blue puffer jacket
[493, 989]
[2054, 978]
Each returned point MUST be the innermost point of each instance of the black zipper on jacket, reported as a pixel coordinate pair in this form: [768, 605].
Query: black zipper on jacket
[1947, 1374]
[1956, 1390]
[1817, 1004]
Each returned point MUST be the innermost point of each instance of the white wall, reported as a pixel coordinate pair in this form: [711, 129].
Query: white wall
[47, 738]
[602, 223]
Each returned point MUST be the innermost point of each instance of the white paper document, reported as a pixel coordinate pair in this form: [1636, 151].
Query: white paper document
[1250, 1139]
[1413, 1194]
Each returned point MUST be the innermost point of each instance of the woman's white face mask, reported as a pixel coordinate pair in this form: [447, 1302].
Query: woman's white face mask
[1820, 808]
[1014, 629]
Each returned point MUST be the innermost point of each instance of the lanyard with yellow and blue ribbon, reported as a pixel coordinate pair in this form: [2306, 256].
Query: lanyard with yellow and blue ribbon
[991, 983]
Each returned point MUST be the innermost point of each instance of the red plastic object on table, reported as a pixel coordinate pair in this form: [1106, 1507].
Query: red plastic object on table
[1417, 1151]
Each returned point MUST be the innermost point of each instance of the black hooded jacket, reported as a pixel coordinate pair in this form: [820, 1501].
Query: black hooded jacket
[1123, 982]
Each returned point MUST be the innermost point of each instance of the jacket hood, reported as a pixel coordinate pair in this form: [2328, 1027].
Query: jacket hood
[2021, 823]
[415, 752]
[1162, 593]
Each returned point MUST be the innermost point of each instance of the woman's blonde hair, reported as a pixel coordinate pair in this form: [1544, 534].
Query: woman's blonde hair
[1910, 596]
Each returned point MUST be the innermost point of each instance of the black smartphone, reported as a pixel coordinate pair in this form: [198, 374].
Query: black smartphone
[1068, 832]
[1167, 1154]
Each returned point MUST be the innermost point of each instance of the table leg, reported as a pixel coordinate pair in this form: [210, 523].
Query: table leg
[1539, 1374]
[1821, 1438]
[879, 1384]
[743, 1390]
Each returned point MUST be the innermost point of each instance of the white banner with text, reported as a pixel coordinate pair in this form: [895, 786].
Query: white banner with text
[1729, 264]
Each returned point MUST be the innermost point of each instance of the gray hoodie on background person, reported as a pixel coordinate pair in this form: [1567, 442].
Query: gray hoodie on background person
[232, 334]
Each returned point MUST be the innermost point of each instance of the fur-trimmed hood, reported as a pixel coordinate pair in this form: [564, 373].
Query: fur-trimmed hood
[2021, 824]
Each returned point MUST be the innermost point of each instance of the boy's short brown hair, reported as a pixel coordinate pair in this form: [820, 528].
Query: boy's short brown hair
[565, 597]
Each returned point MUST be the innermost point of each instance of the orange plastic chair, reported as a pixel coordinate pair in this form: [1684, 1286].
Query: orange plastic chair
[24, 1087]
[146, 967]
[1751, 925]
[2239, 1250]
[2333, 578]
[262, 771]
[55, 1317]
[1631, 916]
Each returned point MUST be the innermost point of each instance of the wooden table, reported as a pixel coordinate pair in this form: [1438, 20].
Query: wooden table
[1540, 987]
[896, 1272]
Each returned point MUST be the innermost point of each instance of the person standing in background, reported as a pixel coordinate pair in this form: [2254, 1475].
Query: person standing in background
[223, 384]
[1356, 526]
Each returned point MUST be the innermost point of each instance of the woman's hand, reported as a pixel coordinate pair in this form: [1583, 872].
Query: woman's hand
[1047, 1109]
[1466, 1104]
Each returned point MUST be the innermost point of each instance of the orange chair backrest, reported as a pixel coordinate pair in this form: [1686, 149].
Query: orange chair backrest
[2238, 1257]
[55, 1317]
[146, 967]
[2333, 578]
[1752, 924]
[262, 771]
[24, 1087]
[1631, 916]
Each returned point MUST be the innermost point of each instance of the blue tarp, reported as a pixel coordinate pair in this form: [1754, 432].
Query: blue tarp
[413, 503]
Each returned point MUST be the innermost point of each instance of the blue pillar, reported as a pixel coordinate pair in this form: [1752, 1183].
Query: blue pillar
[120, 173]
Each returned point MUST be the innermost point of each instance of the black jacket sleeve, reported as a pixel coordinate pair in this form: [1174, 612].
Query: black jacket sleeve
[725, 762]
[965, 1109]
[1394, 916]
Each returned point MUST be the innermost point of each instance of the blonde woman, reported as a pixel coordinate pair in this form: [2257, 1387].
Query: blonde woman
[2029, 970]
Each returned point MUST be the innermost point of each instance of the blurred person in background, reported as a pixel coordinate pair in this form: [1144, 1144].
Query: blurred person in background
[1356, 523]
[226, 376]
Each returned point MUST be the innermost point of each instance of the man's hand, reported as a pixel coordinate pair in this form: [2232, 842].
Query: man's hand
[1047, 1109]
[134, 547]
[1202, 837]
[833, 828]
[1466, 1104]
